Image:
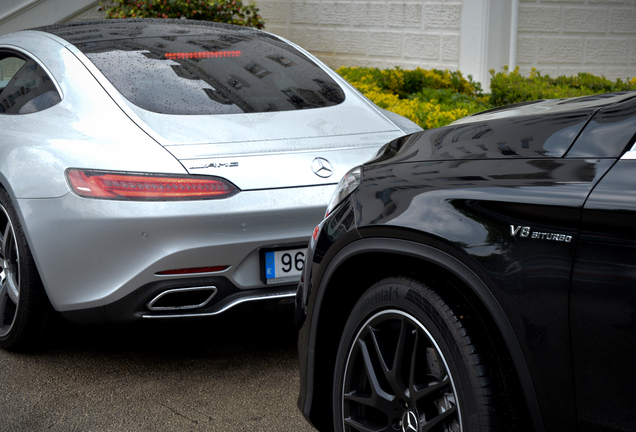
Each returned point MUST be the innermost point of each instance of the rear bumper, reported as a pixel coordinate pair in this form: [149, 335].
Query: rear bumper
[93, 253]
[134, 306]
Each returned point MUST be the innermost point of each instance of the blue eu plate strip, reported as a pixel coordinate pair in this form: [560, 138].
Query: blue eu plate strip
[270, 265]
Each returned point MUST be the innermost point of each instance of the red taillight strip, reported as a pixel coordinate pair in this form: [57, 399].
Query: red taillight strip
[142, 187]
[192, 270]
[202, 54]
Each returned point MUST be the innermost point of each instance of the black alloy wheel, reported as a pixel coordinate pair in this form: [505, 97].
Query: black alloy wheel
[24, 306]
[407, 363]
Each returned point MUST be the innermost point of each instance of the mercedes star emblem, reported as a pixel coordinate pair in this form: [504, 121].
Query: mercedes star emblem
[409, 422]
[321, 167]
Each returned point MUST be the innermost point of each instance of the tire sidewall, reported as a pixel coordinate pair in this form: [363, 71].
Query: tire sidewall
[29, 316]
[422, 304]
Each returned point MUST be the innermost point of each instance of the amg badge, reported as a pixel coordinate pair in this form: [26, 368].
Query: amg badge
[528, 232]
[217, 165]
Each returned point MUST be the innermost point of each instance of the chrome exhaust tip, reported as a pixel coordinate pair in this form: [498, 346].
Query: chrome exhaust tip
[182, 298]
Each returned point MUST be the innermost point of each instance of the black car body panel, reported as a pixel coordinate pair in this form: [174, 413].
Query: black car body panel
[603, 305]
[520, 208]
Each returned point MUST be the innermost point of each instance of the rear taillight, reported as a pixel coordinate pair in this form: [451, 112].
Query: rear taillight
[147, 187]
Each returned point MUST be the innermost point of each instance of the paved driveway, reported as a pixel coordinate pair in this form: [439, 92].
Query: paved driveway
[237, 373]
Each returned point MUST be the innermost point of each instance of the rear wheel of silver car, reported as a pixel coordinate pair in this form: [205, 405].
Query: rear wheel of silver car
[407, 362]
[23, 303]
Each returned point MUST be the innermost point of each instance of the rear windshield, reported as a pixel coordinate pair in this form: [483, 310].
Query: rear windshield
[220, 72]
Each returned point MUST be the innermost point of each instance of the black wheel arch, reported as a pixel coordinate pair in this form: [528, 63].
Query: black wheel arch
[360, 263]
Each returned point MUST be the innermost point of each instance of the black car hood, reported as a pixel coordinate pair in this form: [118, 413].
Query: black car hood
[527, 130]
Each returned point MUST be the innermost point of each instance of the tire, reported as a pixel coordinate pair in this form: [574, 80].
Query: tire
[407, 362]
[24, 307]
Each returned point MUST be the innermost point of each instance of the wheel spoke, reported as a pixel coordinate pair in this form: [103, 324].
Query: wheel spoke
[379, 394]
[362, 400]
[13, 291]
[435, 422]
[361, 427]
[413, 364]
[4, 241]
[399, 358]
[433, 390]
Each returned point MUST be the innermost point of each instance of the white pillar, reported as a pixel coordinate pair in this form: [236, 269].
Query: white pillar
[514, 30]
[488, 37]
[473, 51]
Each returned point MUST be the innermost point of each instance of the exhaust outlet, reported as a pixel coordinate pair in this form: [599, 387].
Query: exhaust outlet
[182, 298]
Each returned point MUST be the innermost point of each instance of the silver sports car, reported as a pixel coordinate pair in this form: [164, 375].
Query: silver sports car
[162, 169]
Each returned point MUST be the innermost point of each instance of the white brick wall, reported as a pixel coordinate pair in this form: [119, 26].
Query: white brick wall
[555, 36]
[564, 37]
[381, 33]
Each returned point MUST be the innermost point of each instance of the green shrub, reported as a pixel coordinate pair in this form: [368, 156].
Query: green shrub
[430, 98]
[508, 87]
[433, 98]
[406, 82]
[225, 11]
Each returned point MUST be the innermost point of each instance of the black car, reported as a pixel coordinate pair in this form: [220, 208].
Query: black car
[480, 276]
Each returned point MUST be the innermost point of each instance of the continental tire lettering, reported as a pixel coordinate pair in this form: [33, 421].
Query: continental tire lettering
[384, 295]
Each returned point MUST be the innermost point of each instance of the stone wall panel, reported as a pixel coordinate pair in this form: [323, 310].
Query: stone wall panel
[605, 29]
[404, 15]
[351, 42]
[450, 47]
[525, 50]
[545, 19]
[386, 44]
[409, 33]
[607, 51]
[421, 46]
[369, 14]
[623, 20]
[305, 12]
[280, 30]
[320, 40]
[625, 73]
[558, 49]
[584, 20]
[335, 13]
[574, 71]
[442, 16]
[273, 12]
[546, 70]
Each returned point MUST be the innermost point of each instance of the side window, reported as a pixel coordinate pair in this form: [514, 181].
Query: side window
[9, 66]
[24, 86]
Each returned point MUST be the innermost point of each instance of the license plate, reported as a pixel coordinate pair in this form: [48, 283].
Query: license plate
[284, 265]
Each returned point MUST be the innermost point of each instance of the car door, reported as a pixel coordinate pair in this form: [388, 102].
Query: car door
[603, 301]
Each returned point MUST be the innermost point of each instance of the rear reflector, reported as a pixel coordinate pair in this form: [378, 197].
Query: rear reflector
[147, 187]
[211, 269]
